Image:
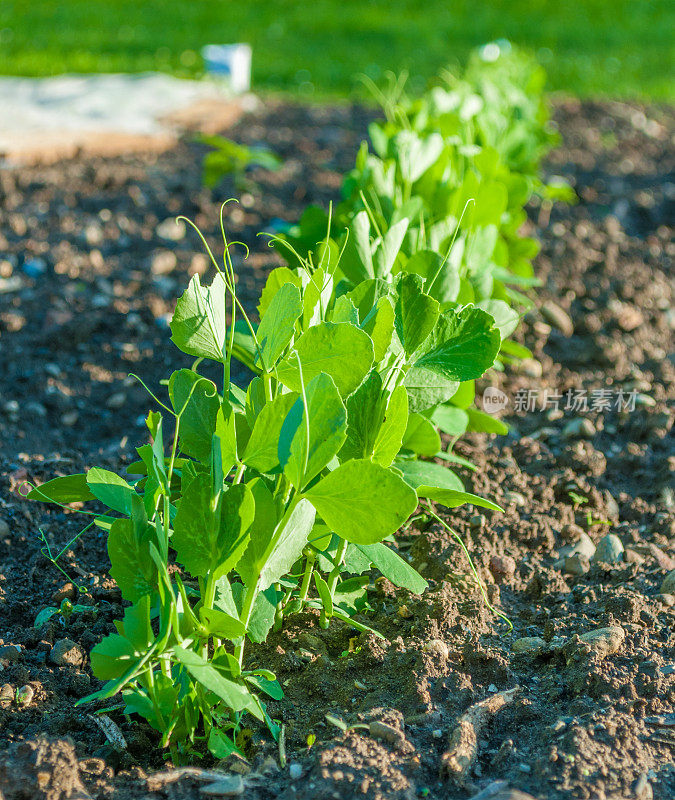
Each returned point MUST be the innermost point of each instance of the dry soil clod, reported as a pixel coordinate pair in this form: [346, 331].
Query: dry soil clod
[463, 745]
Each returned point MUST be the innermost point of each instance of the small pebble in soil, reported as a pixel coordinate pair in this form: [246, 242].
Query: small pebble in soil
[529, 645]
[171, 229]
[24, 695]
[66, 592]
[604, 641]
[437, 647]
[558, 318]
[6, 695]
[294, 771]
[4, 528]
[502, 567]
[583, 546]
[609, 550]
[66, 653]
[163, 262]
[579, 427]
[227, 786]
[668, 585]
[531, 367]
[642, 788]
[514, 498]
[477, 521]
[577, 564]
[10, 652]
[380, 730]
[116, 401]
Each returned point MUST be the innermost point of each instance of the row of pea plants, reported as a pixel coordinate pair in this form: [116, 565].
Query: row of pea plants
[255, 502]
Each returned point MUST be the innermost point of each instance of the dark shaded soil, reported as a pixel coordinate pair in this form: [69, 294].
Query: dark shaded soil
[93, 284]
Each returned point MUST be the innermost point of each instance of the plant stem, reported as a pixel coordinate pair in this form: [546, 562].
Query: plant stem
[333, 578]
[245, 617]
[309, 568]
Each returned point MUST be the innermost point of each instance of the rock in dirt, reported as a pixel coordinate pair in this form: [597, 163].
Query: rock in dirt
[163, 262]
[295, 771]
[582, 546]
[10, 652]
[577, 564]
[228, 786]
[42, 769]
[500, 790]
[558, 318]
[609, 550]
[604, 641]
[668, 585]
[437, 647]
[25, 695]
[579, 427]
[643, 788]
[66, 592]
[6, 695]
[67, 653]
[529, 645]
[4, 528]
[502, 567]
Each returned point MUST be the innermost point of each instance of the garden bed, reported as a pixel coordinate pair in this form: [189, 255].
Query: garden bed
[95, 270]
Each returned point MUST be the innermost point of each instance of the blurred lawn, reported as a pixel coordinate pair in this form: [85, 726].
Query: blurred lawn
[622, 48]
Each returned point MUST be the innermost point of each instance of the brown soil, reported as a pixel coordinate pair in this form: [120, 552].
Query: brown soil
[86, 283]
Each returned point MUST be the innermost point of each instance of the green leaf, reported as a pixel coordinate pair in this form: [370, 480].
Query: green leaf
[221, 746]
[390, 436]
[112, 657]
[461, 347]
[226, 431]
[277, 324]
[427, 473]
[452, 499]
[135, 625]
[416, 313]
[365, 413]
[379, 325]
[312, 435]
[235, 695]
[45, 615]
[421, 436]
[394, 568]
[262, 450]
[68, 489]
[129, 553]
[341, 350]
[221, 624]
[450, 419]
[344, 311]
[441, 275]
[363, 502]
[262, 615]
[198, 400]
[275, 280]
[199, 325]
[505, 317]
[272, 552]
[207, 539]
[386, 253]
[110, 489]
[272, 688]
[357, 260]
[480, 422]
[416, 154]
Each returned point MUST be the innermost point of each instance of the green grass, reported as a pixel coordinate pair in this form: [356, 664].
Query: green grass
[622, 48]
